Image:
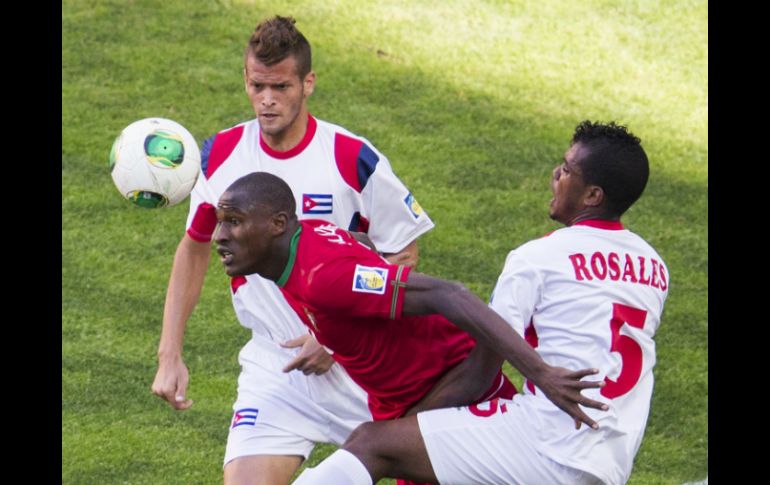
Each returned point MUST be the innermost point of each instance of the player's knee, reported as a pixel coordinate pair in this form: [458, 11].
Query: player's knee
[261, 470]
[366, 443]
[360, 440]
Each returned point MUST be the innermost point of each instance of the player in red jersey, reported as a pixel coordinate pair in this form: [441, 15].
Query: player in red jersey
[388, 326]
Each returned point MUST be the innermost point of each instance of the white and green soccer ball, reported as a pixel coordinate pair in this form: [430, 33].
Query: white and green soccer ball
[155, 162]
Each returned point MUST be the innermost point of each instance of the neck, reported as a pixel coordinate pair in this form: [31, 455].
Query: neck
[290, 136]
[591, 214]
[281, 252]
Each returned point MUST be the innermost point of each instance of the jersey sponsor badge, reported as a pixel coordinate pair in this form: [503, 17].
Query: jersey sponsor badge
[245, 417]
[413, 205]
[368, 279]
[316, 203]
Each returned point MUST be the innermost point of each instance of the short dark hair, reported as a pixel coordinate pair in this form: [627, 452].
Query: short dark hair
[262, 189]
[615, 161]
[276, 39]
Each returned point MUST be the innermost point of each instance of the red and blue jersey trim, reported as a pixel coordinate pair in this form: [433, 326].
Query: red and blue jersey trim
[216, 149]
[356, 161]
[312, 125]
[358, 223]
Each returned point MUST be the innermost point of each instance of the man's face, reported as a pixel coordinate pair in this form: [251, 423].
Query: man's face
[243, 236]
[277, 93]
[568, 186]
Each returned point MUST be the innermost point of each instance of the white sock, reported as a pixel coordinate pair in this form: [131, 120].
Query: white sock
[340, 468]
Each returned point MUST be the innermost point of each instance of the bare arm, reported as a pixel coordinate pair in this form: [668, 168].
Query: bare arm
[184, 288]
[407, 256]
[425, 295]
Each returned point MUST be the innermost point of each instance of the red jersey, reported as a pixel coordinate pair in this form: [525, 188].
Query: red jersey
[352, 300]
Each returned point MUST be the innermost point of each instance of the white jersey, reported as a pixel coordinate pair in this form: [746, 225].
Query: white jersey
[589, 295]
[335, 176]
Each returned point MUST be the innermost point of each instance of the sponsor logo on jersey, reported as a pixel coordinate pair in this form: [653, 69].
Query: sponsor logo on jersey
[413, 205]
[316, 203]
[369, 279]
[245, 417]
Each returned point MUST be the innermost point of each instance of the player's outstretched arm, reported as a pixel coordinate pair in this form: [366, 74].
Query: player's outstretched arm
[184, 288]
[425, 295]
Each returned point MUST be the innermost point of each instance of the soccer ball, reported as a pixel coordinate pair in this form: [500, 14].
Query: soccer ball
[155, 162]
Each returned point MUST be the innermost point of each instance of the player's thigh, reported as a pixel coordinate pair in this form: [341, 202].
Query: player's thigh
[392, 448]
[261, 470]
[263, 439]
[294, 402]
[485, 444]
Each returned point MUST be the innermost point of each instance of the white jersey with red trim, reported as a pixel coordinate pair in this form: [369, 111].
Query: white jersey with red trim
[335, 176]
[585, 296]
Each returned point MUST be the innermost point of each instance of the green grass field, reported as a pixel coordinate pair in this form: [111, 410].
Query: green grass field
[474, 102]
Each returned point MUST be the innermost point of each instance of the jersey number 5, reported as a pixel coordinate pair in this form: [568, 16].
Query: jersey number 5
[630, 351]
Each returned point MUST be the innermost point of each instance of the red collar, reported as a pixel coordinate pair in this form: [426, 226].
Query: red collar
[601, 224]
[292, 152]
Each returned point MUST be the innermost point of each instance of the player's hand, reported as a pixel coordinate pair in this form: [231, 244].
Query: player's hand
[563, 387]
[171, 383]
[311, 359]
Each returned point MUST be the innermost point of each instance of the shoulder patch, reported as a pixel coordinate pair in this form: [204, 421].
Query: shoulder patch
[414, 207]
[370, 279]
[217, 148]
[356, 161]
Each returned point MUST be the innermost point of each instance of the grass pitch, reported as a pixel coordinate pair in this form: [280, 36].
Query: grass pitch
[473, 103]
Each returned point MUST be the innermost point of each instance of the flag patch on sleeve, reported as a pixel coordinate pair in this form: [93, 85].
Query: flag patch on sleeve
[245, 417]
[368, 279]
[413, 205]
[316, 203]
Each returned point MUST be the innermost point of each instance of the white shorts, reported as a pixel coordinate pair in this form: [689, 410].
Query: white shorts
[483, 447]
[279, 413]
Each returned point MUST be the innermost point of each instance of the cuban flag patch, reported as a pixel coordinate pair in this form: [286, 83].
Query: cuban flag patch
[245, 417]
[413, 205]
[368, 279]
[316, 203]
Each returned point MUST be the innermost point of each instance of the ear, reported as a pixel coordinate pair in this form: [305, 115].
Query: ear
[594, 196]
[308, 84]
[245, 81]
[278, 223]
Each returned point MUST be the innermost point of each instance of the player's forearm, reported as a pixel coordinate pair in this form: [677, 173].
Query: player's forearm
[468, 312]
[408, 256]
[184, 289]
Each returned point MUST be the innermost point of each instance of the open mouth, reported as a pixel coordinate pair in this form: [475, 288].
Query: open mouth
[225, 255]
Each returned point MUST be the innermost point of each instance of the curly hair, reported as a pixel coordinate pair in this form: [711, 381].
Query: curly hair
[615, 161]
[276, 39]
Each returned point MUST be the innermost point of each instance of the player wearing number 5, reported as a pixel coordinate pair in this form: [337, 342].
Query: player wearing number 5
[587, 295]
